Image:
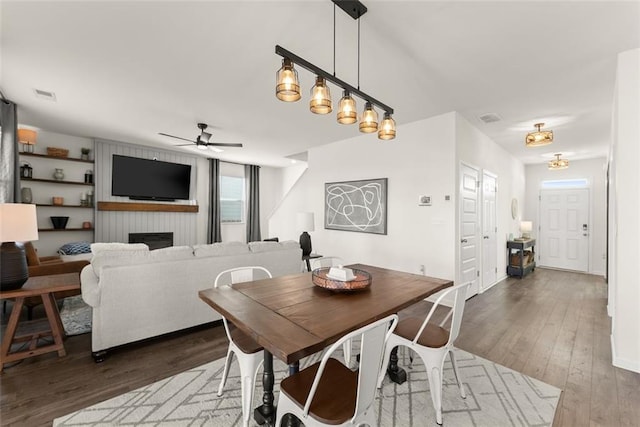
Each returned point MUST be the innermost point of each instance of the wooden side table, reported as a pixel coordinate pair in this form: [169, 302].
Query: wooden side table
[44, 287]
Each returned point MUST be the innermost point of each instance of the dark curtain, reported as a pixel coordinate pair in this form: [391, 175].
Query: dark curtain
[10, 164]
[252, 175]
[214, 234]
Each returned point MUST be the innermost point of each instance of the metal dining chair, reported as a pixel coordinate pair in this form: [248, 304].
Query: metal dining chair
[329, 393]
[432, 343]
[247, 351]
[333, 261]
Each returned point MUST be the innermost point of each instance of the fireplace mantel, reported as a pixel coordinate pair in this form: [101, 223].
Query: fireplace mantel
[146, 207]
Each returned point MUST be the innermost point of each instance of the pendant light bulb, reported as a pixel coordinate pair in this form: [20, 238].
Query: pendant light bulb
[320, 97]
[347, 114]
[387, 127]
[287, 84]
[369, 120]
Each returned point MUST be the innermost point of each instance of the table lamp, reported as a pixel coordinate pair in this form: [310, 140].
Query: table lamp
[27, 138]
[525, 229]
[305, 222]
[18, 223]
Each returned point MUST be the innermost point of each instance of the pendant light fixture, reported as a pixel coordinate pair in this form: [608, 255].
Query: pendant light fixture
[387, 128]
[288, 89]
[369, 120]
[539, 137]
[287, 84]
[347, 114]
[320, 97]
[558, 163]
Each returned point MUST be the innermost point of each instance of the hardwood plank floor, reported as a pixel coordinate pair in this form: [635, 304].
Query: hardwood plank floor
[551, 325]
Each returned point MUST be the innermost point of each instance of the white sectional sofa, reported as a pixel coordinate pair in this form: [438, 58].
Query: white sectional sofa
[136, 293]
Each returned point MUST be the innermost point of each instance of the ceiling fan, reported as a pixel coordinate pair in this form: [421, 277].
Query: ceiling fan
[202, 141]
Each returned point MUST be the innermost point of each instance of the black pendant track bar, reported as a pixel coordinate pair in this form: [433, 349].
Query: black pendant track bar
[330, 77]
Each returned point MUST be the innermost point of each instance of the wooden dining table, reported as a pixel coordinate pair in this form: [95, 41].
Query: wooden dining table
[292, 318]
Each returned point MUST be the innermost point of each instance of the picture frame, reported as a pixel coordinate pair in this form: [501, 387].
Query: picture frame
[358, 206]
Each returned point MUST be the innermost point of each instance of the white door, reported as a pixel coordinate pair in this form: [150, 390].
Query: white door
[564, 229]
[489, 230]
[469, 268]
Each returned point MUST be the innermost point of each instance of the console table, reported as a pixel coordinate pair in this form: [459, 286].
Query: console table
[44, 287]
[517, 248]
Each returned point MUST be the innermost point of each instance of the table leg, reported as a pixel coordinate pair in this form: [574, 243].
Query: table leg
[308, 264]
[10, 332]
[266, 413]
[396, 373]
[57, 330]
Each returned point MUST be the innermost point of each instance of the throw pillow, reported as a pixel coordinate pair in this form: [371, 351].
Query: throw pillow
[75, 248]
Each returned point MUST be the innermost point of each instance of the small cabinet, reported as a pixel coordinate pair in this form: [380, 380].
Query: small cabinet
[520, 257]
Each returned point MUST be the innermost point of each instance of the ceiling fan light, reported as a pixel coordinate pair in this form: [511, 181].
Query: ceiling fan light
[205, 137]
[387, 128]
[287, 84]
[201, 146]
[369, 120]
[558, 163]
[539, 137]
[320, 97]
[347, 113]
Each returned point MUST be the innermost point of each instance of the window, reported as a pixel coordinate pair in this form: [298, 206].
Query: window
[565, 183]
[232, 199]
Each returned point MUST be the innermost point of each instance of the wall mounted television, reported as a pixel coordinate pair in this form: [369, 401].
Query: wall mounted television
[144, 179]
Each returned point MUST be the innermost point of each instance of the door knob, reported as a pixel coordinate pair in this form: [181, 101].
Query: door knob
[463, 241]
[486, 237]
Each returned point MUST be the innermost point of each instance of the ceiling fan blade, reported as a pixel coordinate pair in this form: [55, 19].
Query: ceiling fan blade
[184, 145]
[176, 137]
[223, 144]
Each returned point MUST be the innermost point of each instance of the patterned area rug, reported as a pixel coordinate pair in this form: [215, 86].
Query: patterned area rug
[75, 315]
[496, 396]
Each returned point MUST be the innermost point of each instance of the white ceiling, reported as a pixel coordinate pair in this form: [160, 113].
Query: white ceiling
[127, 70]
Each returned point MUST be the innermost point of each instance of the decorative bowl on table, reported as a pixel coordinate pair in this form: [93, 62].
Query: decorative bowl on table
[361, 280]
[59, 222]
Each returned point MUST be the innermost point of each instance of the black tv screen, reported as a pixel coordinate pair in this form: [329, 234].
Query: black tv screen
[144, 179]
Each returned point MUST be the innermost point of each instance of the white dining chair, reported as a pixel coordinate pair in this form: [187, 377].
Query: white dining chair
[333, 261]
[432, 343]
[247, 351]
[329, 393]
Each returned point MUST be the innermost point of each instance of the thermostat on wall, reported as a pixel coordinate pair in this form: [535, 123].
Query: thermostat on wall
[424, 201]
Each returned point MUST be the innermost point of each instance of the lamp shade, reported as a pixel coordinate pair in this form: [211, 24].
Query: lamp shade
[369, 121]
[387, 129]
[539, 137]
[305, 221]
[287, 85]
[320, 97]
[27, 136]
[347, 113]
[18, 222]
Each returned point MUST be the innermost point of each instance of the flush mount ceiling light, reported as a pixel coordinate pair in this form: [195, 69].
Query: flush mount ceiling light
[558, 163]
[539, 137]
[288, 86]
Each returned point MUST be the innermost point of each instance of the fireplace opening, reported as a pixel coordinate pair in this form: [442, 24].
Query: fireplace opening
[153, 240]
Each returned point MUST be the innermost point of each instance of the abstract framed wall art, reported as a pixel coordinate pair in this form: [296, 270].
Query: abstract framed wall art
[359, 206]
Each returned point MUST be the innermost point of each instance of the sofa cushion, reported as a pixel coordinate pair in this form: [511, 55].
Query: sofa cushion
[172, 253]
[96, 248]
[111, 258]
[272, 246]
[220, 249]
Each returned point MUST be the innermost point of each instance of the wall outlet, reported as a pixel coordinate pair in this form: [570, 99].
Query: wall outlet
[424, 201]
[422, 269]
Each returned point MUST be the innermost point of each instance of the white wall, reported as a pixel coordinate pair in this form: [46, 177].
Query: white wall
[476, 149]
[594, 170]
[624, 280]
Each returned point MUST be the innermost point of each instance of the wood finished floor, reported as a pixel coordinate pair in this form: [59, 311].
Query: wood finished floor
[550, 325]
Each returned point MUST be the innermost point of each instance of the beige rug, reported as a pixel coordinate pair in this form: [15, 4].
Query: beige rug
[496, 396]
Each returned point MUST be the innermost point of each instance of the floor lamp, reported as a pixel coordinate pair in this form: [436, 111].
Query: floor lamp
[18, 223]
[305, 222]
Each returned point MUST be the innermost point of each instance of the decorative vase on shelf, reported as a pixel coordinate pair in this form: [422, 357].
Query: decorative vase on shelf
[26, 195]
[58, 174]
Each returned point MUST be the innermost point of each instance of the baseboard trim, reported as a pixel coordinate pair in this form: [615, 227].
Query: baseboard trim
[618, 362]
[493, 284]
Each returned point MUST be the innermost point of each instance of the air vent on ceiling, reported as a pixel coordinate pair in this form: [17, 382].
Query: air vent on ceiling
[490, 118]
[45, 94]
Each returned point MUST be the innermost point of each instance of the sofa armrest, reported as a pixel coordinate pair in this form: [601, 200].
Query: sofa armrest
[57, 268]
[90, 286]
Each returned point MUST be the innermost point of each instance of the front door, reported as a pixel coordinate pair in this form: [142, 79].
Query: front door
[489, 231]
[469, 246]
[564, 229]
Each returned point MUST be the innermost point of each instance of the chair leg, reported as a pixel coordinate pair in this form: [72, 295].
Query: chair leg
[346, 349]
[225, 372]
[454, 363]
[249, 366]
[435, 385]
